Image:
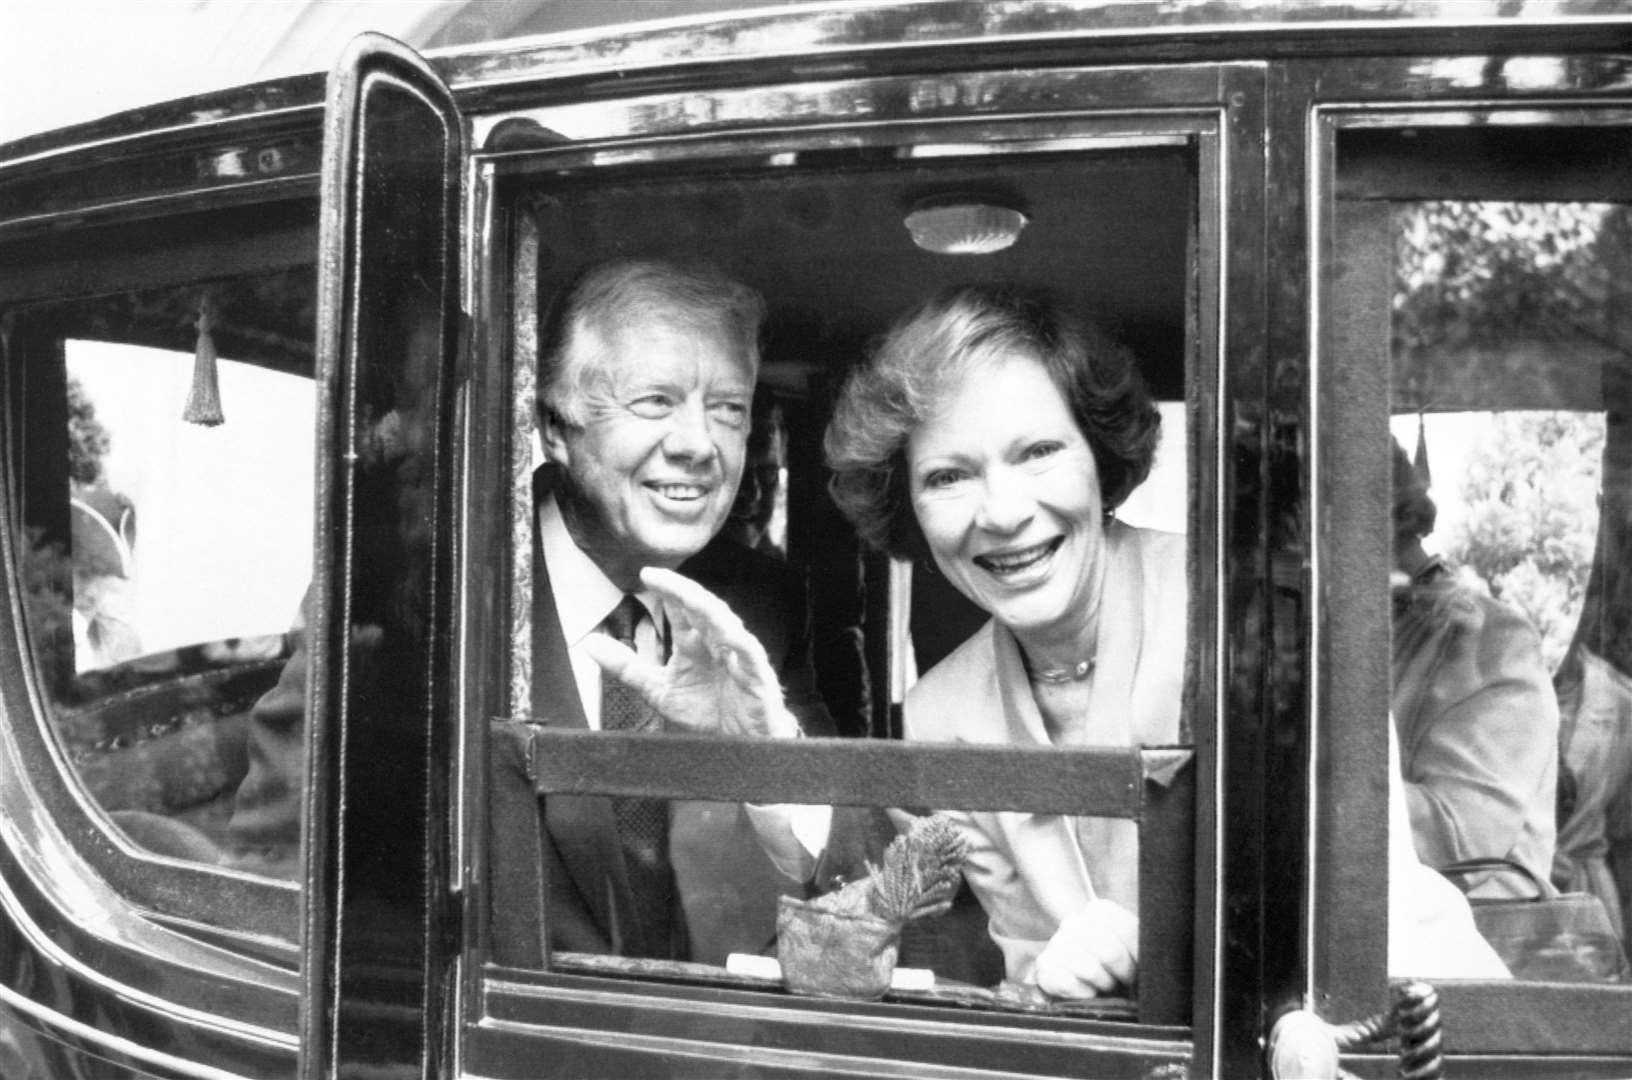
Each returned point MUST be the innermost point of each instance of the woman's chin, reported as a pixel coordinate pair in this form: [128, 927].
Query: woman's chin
[1032, 614]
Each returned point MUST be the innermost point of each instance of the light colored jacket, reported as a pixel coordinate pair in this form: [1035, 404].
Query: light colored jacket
[1030, 871]
[1477, 721]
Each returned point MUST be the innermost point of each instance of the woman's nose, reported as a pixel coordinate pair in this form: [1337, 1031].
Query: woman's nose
[1005, 504]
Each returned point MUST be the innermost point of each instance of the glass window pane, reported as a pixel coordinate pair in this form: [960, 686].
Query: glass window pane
[1510, 661]
[167, 503]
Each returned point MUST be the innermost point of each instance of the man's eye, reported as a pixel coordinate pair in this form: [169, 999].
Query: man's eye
[734, 413]
[942, 478]
[652, 406]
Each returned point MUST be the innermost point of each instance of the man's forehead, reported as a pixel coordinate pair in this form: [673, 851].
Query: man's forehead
[652, 348]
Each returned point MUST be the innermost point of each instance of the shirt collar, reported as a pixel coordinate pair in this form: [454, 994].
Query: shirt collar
[584, 596]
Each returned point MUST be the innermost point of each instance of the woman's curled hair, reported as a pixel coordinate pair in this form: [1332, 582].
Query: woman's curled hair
[924, 357]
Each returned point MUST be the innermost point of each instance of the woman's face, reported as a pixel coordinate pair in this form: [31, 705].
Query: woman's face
[1007, 495]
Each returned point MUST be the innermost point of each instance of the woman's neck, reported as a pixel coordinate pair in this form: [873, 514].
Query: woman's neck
[1054, 652]
[1058, 662]
[1066, 645]
[1064, 709]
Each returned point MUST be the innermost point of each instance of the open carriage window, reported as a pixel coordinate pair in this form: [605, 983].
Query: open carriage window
[1094, 248]
[1485, 273]
[164, 441]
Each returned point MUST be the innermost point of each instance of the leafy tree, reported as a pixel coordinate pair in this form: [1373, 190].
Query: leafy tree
[1483, 272]
[1531, 493]
[87, 439]
[1470, 275]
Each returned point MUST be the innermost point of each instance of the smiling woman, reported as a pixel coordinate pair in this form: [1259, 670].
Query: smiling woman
[993, 433]
[1005, 490]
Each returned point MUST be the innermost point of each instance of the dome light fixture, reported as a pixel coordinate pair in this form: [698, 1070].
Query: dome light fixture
[964, 226]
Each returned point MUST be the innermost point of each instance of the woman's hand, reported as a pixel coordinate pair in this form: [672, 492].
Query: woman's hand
[1092, 953]
[718, 677]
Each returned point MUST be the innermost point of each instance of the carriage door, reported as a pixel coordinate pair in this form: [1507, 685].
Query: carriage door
[378, 722]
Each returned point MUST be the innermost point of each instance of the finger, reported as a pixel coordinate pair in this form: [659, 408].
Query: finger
[692, 607]
[1061, 980]
[1124, 926]
[1088, 970]
[1118, 961]
[695, 605]
[1101, 979]
[1057, 983]
[1097, 947]
[749, 665]
[621, 662]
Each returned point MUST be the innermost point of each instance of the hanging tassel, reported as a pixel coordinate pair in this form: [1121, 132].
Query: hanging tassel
[1425, 477]
[204, 397]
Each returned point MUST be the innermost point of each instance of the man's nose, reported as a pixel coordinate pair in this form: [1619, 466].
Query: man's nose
[689, 436]
[1005, 505]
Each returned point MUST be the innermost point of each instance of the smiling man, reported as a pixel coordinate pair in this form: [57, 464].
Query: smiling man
[646, 383]
[646, 416]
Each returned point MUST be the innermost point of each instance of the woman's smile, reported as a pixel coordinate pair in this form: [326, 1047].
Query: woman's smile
[1015, 561]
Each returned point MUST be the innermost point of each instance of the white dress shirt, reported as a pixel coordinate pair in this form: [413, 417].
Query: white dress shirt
[584, 597]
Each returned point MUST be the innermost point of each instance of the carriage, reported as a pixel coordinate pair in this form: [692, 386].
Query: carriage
[293, 326]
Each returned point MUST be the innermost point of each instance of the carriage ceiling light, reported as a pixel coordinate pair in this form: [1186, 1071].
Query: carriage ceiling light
[964, 226]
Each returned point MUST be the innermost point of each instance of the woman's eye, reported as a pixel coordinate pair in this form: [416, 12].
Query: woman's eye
[941, 478]
[1041, 450]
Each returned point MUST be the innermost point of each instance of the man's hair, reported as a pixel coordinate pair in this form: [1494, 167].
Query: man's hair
[626, 291]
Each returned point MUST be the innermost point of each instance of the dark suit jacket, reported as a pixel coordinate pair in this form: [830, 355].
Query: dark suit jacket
[556, 866]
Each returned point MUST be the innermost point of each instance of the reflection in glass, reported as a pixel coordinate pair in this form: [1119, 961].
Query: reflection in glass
[1512, 661]
[166, 560]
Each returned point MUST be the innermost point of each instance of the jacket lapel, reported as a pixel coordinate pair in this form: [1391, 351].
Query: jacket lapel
[582, 826]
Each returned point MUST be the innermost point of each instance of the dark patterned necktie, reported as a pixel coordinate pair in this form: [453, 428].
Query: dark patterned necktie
[643, 824]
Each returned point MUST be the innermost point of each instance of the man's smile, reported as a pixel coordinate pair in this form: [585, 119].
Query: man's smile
[678, 491]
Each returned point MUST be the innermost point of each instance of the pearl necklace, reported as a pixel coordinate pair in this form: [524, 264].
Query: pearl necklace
[1056, 676]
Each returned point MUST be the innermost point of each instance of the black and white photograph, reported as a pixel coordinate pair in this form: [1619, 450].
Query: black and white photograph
[938, 539]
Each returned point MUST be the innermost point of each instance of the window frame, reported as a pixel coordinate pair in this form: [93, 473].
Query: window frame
[1216, 108]
[120, 942]
[1350, 494]
[246, 913]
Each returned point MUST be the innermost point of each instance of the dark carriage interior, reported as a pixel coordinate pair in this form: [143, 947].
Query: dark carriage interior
[823, 236]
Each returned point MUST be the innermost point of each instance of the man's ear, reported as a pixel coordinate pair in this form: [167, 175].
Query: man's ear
[553, 436]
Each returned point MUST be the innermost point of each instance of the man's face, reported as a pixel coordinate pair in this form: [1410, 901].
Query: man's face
[650, 473]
